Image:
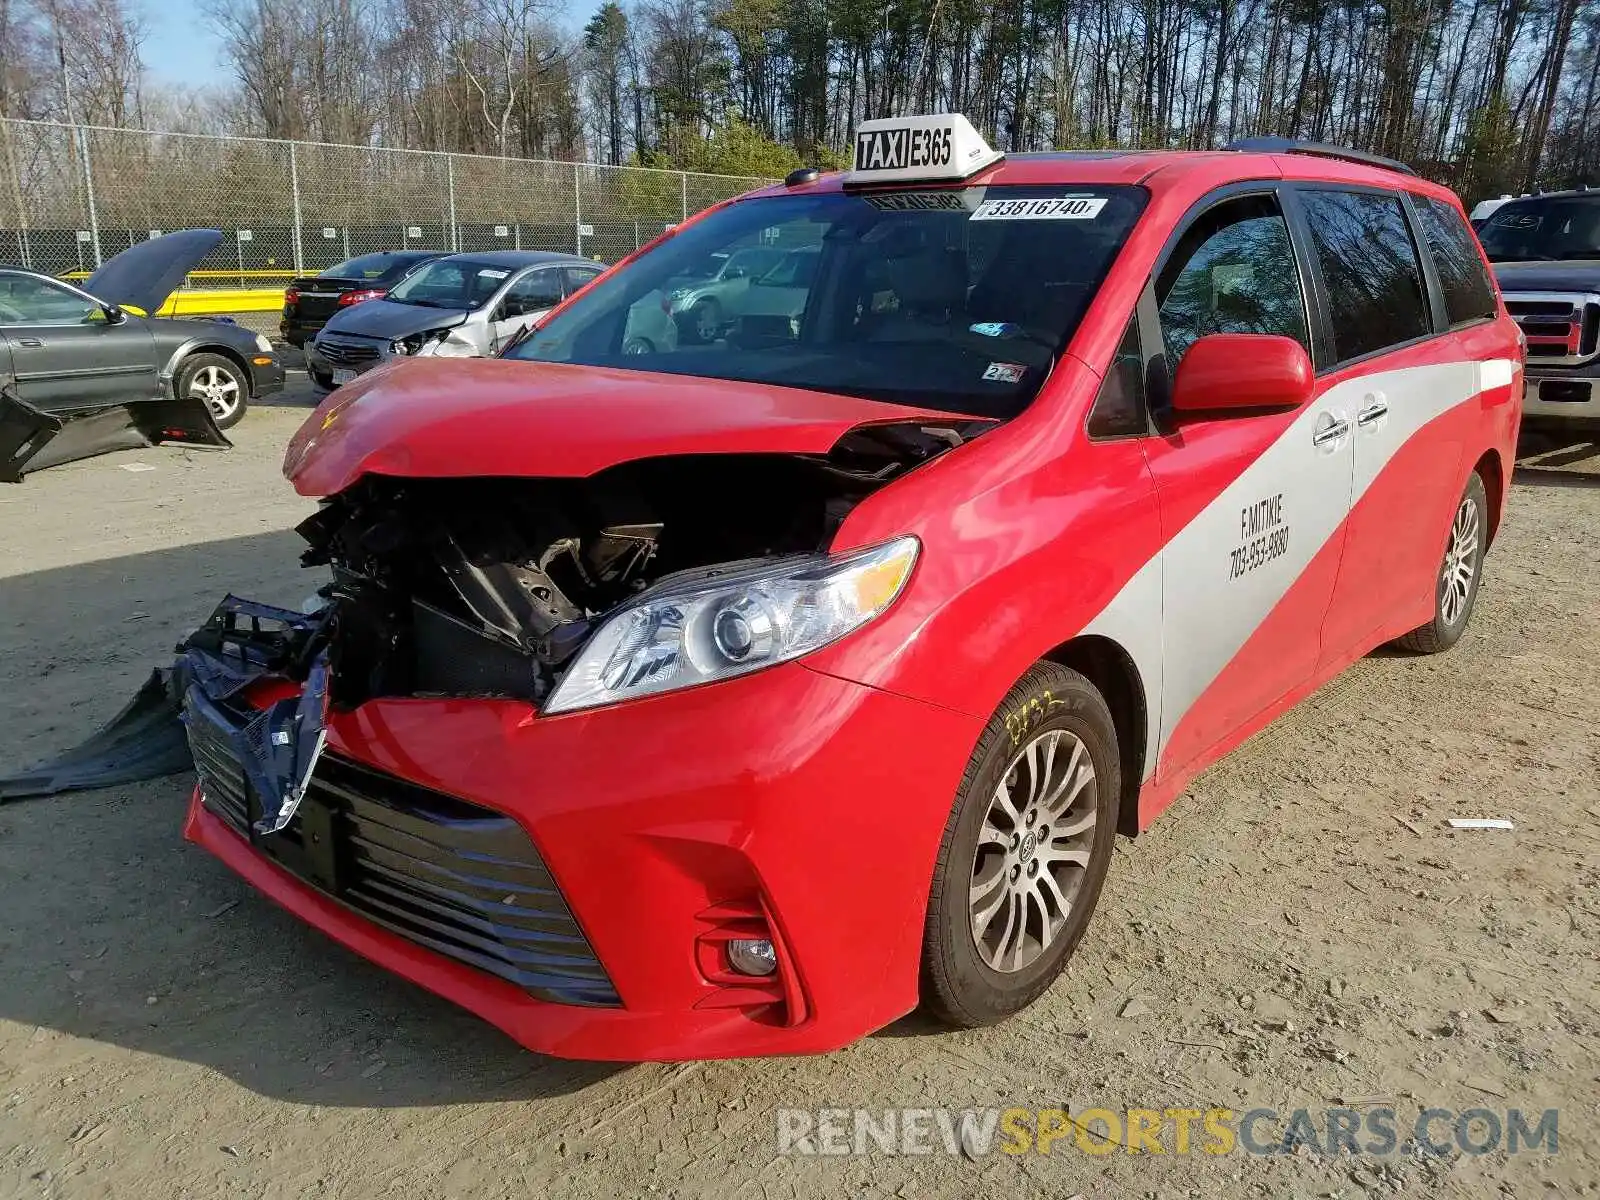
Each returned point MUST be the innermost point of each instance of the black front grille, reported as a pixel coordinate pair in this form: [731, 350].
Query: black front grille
[460, 879]
[346, 354]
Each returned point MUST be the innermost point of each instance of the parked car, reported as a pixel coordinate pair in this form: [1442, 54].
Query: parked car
[458, 306]
[737, 700]
[709, 291]
[309, 301]
[84, 371]
[1546, 255]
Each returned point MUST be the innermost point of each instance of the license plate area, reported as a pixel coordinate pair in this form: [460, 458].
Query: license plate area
[1564, 391]
[342, 376]
[308, 846]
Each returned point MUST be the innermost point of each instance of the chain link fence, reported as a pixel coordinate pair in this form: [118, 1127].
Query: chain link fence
[71, 196]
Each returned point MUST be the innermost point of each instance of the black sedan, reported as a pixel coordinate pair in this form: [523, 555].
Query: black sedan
[81, 373]
[311, 300]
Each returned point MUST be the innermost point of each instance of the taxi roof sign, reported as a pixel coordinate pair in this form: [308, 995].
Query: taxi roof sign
[925, 149]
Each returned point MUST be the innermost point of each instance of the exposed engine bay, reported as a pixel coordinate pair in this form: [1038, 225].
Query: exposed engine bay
[488, 586]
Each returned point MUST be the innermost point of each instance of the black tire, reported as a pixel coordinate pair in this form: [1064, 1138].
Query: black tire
[705, 321]
[322, 379]
[960, 984]
[638, 345]
[1458, 574]
[201, 370]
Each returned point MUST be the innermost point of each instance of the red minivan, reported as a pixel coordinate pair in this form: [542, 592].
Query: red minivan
[738, 698]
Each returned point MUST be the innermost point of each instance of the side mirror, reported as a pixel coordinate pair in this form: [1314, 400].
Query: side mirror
[114, 314]
[1237, 374]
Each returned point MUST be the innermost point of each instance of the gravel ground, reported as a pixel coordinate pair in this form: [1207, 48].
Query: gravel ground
[1302, 930]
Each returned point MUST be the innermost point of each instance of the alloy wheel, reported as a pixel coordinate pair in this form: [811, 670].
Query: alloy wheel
[1033, 851]
[1460, 562]
[218, 389]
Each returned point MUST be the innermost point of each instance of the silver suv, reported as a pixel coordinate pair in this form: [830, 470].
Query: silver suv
[710, 296]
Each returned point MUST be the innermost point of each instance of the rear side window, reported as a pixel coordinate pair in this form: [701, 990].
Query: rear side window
[1369, 269]
[1468, 294]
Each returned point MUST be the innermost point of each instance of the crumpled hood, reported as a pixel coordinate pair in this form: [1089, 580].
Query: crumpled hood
[145, 274]
[1571, 275]
[391, 319]
[497, 417]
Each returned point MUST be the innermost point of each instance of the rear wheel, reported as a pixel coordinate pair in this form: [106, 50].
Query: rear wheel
[1025, 851]
[1456, 590]
[220, 382]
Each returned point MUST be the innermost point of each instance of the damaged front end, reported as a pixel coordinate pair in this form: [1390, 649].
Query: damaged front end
[489, 587]
[486, 588]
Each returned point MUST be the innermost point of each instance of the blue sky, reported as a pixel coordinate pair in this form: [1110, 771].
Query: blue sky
[181, 46]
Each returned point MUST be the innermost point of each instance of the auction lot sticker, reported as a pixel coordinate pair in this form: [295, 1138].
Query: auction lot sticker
[1050, 208]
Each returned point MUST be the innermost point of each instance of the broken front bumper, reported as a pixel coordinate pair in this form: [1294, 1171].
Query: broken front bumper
[574, 879]
[32, 439]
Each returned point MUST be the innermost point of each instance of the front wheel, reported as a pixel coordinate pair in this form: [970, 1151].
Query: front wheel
[1025, 851]
[1456, 590]
[322, 379]
[706, 321]
[220, 382]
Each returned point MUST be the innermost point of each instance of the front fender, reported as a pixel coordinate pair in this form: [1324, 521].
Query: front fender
[199, 343]
[1032, 535]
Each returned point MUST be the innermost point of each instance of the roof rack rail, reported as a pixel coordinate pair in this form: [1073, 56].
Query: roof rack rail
[1283, 145]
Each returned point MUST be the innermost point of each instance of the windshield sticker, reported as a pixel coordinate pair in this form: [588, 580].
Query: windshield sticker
[486, 273]
[1052, 208]
[919, 202]
[996, 329]
[997, 372]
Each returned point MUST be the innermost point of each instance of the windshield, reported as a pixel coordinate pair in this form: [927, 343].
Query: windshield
[958, 300]
[457, 283]
[1543, 229]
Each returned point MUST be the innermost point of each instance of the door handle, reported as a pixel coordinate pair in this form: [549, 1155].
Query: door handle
[1330, 430]
[1375, 410]
[34, 342]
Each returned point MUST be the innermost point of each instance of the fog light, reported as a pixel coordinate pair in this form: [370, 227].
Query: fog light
[751, 956]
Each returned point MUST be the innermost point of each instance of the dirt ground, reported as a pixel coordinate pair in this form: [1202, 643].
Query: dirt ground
[1302, 930]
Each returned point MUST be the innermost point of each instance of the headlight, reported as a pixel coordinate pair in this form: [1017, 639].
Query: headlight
[704, 630]
[262, 344]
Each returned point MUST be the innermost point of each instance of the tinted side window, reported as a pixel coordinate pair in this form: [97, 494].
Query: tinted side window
[1119, 409]
[578, 277]
[535, 290]
[1369, 267]
[1468, 294]
[1232, 272]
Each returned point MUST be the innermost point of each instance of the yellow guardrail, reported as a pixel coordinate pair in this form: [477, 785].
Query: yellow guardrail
[197, 302]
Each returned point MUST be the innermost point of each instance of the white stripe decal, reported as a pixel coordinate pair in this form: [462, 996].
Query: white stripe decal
[1189, 610]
